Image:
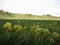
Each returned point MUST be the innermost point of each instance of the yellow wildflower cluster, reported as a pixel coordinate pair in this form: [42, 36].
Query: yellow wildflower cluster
[7, 26]
[17, 27]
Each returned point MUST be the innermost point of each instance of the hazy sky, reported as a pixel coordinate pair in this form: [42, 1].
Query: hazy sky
[32, 6]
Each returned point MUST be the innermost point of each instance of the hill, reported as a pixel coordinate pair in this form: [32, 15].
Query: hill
[8, 15]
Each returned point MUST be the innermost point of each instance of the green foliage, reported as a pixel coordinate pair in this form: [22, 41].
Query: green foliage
[48, 15]
[28, 33]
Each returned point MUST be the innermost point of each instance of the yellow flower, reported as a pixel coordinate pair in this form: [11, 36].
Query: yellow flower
[7, 26]
[17, 27]
[51, 40]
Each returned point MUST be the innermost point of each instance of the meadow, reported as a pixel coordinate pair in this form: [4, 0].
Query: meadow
[29, 32]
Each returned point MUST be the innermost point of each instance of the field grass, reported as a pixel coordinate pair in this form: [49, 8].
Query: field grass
[29, 32]
[32, 17]
[28, 29]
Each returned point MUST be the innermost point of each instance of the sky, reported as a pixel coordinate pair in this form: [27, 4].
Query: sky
[37, 7]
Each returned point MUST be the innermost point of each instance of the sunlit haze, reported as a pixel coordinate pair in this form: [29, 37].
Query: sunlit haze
[37, 7]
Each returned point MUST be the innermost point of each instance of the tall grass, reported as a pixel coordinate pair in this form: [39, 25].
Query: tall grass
[35, 34]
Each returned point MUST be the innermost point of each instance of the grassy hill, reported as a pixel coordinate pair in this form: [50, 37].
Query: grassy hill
[8, 15]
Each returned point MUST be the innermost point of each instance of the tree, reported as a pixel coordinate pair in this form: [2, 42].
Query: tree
[1, 11]
[48, 15]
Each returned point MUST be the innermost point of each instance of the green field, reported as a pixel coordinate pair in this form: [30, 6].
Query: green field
[29, 32]
[8, 15]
